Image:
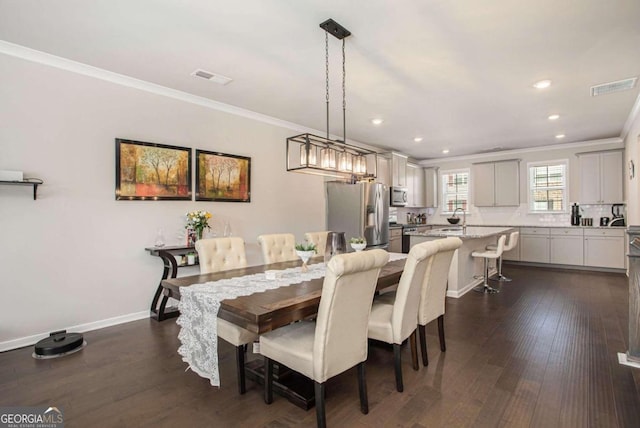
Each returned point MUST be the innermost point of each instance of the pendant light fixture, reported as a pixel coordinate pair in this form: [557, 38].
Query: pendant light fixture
[312, 154]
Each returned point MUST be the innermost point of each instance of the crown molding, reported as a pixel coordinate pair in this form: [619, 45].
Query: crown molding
[44, 58]
[432, 162]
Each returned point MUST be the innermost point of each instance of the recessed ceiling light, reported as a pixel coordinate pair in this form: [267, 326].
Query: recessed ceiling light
[560, 136]
[554, 117]
[542, 84]
[445, 151]
[377, 121]
[417, 139]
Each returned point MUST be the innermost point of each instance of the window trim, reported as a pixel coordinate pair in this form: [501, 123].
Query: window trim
[565, 194]
[442, 191]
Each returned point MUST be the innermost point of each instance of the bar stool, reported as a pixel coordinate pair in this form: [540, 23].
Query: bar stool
[486, 255]
[510, 245]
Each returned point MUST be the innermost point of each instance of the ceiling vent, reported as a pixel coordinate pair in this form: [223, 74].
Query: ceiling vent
[608, 88]
[213, 77]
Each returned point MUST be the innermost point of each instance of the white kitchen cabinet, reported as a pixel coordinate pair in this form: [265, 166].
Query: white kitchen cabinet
[431, 187]
[383, 170]
[415, 186]
[601, 177]
[604, 248]
[566, 246]
[395, 240]
[496, 184]
[399, 170]
[534, 244]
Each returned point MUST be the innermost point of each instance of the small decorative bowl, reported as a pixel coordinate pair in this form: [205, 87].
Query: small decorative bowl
[453, 220]
[359, 247]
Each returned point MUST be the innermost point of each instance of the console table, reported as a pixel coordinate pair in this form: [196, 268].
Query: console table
[160, 312]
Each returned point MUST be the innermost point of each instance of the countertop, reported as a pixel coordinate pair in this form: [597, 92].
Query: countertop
[471, 232]
[550, 226]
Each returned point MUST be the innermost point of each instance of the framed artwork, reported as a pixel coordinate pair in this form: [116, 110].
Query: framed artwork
[153, 172]
[222, 177]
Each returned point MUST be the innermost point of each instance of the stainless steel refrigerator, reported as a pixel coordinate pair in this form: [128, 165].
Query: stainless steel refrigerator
[360, 209]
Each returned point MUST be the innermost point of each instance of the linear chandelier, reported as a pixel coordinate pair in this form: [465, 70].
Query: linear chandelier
[312, 154]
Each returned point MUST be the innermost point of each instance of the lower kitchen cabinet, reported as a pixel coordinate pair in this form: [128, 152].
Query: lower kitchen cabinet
[395, 240]
[566, 246]
[604, 248]
[534, 244]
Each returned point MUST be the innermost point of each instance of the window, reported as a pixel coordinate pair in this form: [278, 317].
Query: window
[455, 190]
[548, 187]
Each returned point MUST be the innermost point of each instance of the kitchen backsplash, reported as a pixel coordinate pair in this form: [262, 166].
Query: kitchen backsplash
[490, 216]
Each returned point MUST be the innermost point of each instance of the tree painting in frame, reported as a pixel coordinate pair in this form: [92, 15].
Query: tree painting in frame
[222, 177]
[148, 171]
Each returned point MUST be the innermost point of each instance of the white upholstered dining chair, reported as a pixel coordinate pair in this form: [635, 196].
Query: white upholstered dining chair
[393, 316]
[337, 340]
[319, 239]
[434, 293]
[278, 247]
[218, 254]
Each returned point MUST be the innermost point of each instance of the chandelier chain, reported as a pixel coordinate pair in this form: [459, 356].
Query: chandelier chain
[344, 94]
[326, 66]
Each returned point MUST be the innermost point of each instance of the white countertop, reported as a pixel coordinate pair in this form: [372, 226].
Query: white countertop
[471, 232]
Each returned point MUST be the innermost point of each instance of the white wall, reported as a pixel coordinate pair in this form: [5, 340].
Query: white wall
[520, 215]
[75, 257]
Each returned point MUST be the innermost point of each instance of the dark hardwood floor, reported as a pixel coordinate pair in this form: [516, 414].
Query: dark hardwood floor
[542, 353]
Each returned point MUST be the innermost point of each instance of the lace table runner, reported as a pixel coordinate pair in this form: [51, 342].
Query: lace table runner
[200, 303]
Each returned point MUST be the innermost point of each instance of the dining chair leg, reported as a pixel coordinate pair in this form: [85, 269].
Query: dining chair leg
[268, 380]
[240, 369]
[443, 346]
[414, 350]
[320, 415]
[362, 388]
[397, 360]
[422, 329]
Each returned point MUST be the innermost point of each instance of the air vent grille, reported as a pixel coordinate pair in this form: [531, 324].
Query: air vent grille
[213, 77]
[608, 88]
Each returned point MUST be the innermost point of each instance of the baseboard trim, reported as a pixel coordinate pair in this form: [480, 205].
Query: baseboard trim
[80, 328]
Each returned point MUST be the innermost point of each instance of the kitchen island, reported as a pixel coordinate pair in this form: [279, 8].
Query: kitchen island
[463, 265]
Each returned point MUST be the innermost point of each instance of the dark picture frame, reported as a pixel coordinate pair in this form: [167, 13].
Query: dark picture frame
[222, 177]
[152, 172]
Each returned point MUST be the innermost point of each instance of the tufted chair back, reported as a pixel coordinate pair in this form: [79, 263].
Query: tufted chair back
[278, 247]
[434, 288]
[217, 254]
[317, 238]
[341, 326]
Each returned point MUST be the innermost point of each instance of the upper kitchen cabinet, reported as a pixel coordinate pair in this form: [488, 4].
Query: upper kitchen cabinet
[398, 170]
[415, 186]
[496, 184]
[431, 187]
[601, 178]
[383, 173]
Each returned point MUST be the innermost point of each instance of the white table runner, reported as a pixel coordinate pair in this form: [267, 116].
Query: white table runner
[200, 303]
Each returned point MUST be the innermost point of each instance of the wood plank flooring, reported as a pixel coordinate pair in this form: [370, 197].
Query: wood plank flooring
[542, 353]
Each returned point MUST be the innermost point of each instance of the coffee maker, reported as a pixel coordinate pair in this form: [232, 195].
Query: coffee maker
[575, 215]
[618, 217]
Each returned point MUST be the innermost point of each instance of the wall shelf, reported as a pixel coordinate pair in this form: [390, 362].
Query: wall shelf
[26, 183]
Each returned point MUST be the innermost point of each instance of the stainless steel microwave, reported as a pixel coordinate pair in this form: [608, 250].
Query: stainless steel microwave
[398, 196]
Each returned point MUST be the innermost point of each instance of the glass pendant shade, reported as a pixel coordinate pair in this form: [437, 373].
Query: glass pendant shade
[328, 158]
[345, 161]
[308, 155]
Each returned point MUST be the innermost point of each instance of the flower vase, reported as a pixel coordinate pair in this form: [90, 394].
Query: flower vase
[199, 233]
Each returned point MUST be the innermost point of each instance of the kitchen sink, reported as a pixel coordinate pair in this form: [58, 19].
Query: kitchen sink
[451, 229]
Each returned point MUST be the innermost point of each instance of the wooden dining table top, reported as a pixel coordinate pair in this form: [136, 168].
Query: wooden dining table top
[271, 309]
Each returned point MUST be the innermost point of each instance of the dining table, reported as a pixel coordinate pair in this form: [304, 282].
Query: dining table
[268, 310]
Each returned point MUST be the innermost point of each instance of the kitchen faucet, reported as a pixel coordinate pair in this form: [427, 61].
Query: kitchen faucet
[464, 218]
